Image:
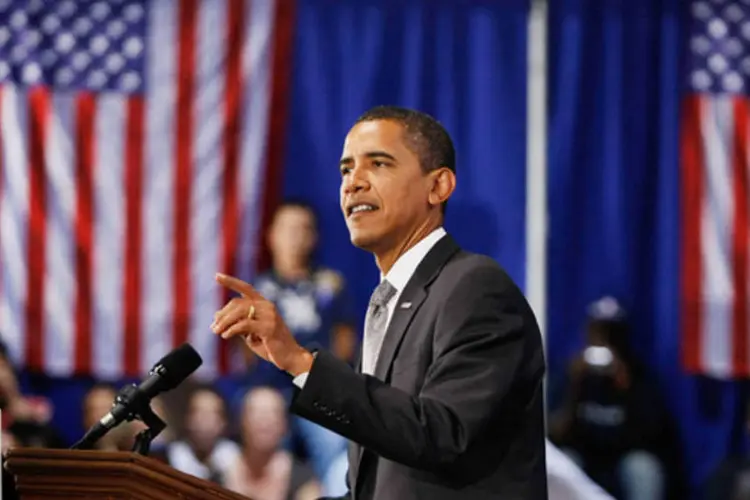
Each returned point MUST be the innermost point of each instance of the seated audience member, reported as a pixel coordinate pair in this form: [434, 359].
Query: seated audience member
[265, 470]
[204, 451]
[612, 422]
[314, 303]
[16, 406]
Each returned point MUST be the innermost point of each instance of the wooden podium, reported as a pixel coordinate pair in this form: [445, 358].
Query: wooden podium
[46, 473]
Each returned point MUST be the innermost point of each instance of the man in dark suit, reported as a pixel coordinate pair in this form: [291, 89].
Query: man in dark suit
[447, 400]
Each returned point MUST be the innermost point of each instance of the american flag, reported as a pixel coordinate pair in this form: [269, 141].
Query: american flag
[716, 191]
[139, 142]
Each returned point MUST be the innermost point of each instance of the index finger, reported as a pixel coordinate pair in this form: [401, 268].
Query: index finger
[237, 285]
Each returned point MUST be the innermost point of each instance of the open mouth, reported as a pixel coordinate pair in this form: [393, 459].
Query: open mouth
[360, 208]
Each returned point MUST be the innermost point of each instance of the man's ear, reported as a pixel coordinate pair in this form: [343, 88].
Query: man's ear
[443, 184]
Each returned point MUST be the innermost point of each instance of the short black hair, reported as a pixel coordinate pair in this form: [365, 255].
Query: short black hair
[425, 135]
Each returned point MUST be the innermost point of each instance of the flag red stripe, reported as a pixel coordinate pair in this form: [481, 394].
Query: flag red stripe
[133, 181]
[740, 239]
[692, 206]
[233, 111]
[283, 40]
[183, 172]
[37, 227]
[84, 228]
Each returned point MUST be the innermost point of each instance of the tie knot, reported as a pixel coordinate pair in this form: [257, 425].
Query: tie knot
[382, 294]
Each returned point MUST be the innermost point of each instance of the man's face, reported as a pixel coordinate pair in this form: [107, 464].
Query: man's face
[384, 192]
[292, 233]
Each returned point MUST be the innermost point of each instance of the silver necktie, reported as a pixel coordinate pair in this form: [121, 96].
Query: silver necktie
[375, 325]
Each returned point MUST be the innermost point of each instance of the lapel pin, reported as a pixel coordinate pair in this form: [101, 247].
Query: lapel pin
[405, 305]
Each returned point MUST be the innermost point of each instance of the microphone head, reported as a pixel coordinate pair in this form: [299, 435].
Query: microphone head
[177, 366]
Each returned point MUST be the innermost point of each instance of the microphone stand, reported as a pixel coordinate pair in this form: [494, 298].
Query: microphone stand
[139, 409]
[154, 425]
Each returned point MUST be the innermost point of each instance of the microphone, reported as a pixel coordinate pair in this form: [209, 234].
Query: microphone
[167, 373]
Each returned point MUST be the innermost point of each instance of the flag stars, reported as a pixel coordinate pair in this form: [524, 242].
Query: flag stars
[81, 60]
[100, 11]
[733, 47]
[18, 20]
[50, 24]
[702, 80]
[717, 28]
[114, 63]
[4, 36]
[130, 81]
[132, 47]
[64, 76]
[32, 73]
[65, 42]
[717, 63]
[702, 11]
[98, 44]
[66, 9]
[133, 13]
[97, 79]
[82, 26]
[733, 82]
[115, 29]
[734, 13]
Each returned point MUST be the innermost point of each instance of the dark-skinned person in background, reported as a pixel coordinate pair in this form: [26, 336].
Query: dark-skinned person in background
[612, 421]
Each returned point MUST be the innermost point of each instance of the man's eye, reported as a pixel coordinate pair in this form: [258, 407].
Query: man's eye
[379, 163]
[345, 170]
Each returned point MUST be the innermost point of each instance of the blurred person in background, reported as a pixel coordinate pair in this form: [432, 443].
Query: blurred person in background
[731, 480]
[15, 405]
[265, 470]
[612, 422]
[204, 451]
[314, 303]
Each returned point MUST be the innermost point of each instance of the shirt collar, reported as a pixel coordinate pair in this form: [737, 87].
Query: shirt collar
[404, 267]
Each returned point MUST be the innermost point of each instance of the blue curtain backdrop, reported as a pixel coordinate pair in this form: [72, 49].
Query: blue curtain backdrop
[615, 85]
[464, 62]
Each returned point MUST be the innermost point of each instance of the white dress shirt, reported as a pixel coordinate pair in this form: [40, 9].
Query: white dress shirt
[398, 276]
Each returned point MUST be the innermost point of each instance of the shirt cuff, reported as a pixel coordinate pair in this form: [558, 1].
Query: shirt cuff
[300, 379]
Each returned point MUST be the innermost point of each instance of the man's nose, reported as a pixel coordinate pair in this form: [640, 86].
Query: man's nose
[355, 181]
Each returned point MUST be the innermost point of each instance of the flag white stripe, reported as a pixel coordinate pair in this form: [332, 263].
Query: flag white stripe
[206, 235]
[157, 258]
[109, 237]
[14, 216]
[60, 246]
[257, 60]
[716, 236]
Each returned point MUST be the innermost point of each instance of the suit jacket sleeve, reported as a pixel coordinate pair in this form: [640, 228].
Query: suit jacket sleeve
[478, 348]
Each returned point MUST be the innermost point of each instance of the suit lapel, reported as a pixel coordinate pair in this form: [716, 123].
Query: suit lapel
[412, 297]
[410, 301]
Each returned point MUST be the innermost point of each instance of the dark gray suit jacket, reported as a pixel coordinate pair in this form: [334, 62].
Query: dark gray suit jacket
[455, 408]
